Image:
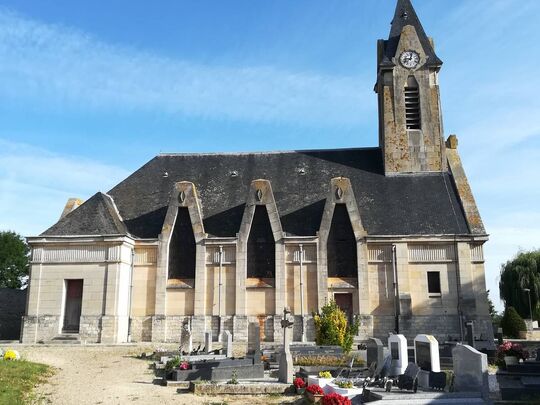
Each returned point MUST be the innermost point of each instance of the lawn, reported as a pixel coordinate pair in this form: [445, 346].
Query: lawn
[17, 380]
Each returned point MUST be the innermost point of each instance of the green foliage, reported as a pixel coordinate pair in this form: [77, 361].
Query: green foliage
[512, 323]
[324, 360]
[523, 271]
[172, 364]
[18, 378]
[234, 378]
[14, 260]
[333, 329]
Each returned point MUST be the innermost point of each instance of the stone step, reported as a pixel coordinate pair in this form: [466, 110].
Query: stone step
[73, 339]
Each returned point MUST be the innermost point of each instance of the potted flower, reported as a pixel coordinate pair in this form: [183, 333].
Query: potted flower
[335, 399]
[184, 365]
[299, 385]
[511, 352]
[314, 393]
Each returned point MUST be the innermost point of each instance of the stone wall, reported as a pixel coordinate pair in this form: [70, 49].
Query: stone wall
[13, 305]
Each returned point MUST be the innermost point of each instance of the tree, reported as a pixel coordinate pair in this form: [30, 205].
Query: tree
[523, 271]
[495, 316]
[14, 260]
[512, 323]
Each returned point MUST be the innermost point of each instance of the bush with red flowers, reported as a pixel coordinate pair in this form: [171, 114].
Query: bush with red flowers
[315, 390]
[299, 383]
[335, 399]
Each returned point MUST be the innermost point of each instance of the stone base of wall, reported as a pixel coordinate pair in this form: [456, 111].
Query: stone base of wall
[141, 329]
[90, 329]
[40, 329]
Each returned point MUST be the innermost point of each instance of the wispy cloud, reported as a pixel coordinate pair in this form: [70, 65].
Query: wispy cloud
[69, 67]
[35, 184]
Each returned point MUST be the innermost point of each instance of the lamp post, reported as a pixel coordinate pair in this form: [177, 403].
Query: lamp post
[528, 291]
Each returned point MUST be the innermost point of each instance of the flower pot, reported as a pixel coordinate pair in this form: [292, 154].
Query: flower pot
[314, 398]
[300, 391]
[511, 360]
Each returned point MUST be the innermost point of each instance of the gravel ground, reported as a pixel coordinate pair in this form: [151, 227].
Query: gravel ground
[113, 375]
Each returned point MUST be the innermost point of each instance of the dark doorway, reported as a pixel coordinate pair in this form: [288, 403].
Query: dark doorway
[342, 257]
[73, 305]
[182, 247]
[261, 247]
[345, 302]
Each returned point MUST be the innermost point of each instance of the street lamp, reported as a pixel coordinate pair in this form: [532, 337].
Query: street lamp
[528, 291]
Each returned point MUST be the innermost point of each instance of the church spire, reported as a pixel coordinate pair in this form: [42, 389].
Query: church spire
[406, 15]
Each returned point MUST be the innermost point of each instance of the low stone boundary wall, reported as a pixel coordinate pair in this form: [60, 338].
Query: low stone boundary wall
[205, 388]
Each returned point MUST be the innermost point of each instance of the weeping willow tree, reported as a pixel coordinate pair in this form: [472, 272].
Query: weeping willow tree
[517, 274]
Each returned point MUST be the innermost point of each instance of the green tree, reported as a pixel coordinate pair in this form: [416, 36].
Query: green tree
[14, 260]
[523, 271]
[495, 316]
[512, 323]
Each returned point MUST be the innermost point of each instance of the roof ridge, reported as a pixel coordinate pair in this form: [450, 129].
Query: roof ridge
[275, 152]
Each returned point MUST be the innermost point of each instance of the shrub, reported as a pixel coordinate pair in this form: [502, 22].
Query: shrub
[512, 323]
[332, 328]
[315, 390]
[335, 399]
[299, 383]
[172, 364]
[331, 361]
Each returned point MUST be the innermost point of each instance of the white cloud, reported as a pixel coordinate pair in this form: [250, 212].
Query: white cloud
[68, 67]
[35, 184]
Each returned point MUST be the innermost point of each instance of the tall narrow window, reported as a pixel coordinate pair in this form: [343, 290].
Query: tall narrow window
[341, 246]
[434, 283]
[261, 248]
[412, 104]
[182, 247]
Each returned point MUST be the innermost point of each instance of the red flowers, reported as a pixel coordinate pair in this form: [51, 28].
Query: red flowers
[184, 365]
[315, 390]
[299, 383]
[335, 399]
[512, 349]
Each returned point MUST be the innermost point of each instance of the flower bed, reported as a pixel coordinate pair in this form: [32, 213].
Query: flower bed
[335, 399]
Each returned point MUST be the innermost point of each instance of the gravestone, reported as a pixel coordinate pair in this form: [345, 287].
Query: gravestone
[397, 346]
[208, 342]
[470, 333]
[256, 344]
[375, 352]
[186, 340]
[470, 370]
[227, 343]
[426, 356]
[286, 369]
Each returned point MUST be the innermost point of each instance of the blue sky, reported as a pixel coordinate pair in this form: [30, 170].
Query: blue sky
[91, 90]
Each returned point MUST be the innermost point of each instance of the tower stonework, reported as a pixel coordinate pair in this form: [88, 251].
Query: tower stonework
[410, 120]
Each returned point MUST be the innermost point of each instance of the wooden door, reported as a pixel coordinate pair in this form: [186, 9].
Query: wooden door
[345, 302]
[73, 305]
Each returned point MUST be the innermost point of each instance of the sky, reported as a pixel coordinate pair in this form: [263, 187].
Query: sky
[92, 90]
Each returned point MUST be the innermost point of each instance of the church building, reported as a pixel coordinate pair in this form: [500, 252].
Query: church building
[224, 241]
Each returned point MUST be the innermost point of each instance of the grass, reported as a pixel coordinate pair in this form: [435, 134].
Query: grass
[17, 380]
[325, 360]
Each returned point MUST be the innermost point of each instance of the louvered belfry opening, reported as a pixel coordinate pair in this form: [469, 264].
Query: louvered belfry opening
[412, 104]
[182, 247]
[261, 248]
[341, 246]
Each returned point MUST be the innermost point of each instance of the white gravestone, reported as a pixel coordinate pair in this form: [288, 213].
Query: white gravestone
[426, 356]
[227, 343]
[397, 346]
[208, 342]
[470, 370]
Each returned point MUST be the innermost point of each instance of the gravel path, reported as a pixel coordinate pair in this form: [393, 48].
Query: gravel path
[113, 375]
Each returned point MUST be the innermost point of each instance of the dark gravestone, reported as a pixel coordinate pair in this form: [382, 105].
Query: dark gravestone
[394, 350]
[470, 333]
[375, 352]
[256, 343]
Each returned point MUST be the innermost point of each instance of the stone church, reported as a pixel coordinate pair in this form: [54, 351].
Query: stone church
[223, 241]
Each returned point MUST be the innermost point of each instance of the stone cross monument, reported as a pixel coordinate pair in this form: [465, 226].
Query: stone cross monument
[186, 340]
[285, 361]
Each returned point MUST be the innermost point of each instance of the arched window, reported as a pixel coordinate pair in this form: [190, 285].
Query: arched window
[261, 248]
[341, 246]
[412, 104]
[182, 247]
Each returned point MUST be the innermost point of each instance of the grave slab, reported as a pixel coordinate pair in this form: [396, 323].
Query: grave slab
[470, 370]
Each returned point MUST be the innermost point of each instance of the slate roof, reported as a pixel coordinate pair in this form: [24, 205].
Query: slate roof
[416, 204]
[97, 216]
[406, 15]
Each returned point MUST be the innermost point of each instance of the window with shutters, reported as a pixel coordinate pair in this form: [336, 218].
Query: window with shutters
[412, 104]
[434, 283]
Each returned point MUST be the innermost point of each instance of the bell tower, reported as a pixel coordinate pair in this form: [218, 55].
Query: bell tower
[410, 120]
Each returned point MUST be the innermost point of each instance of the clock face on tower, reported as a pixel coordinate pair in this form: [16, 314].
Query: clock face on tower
[409, 59]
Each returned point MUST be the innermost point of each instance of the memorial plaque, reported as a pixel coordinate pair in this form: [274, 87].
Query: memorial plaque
[423, 355]
[394, 350]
